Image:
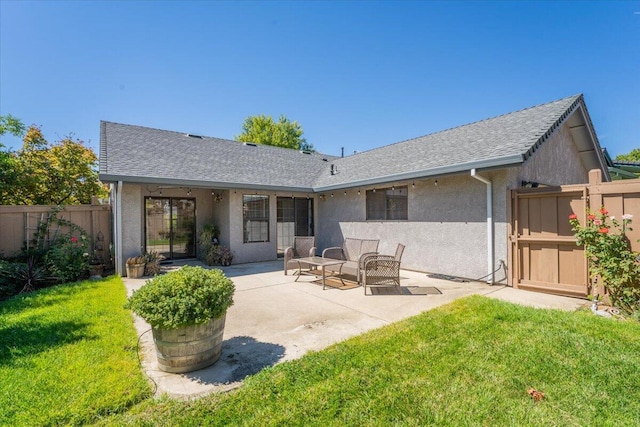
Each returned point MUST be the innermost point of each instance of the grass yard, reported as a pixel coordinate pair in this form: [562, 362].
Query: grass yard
[468, 363]
[68, 355]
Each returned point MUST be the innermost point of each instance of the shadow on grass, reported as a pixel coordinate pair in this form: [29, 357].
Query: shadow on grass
[31, 337]
[241, 356]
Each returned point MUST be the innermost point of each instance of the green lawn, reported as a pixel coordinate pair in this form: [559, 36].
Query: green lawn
[468, 363]
[68, 355]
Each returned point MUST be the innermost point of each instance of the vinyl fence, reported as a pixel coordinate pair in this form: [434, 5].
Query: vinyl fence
[18, 224]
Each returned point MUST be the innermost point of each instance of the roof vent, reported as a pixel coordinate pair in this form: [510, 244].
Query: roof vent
[325, 159]
[305, 152]
[250, 144]
[190, 135]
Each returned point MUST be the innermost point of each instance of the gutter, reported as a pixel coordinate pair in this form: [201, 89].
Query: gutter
[487, 182]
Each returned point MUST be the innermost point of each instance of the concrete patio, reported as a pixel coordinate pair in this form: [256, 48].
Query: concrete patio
[275, 319]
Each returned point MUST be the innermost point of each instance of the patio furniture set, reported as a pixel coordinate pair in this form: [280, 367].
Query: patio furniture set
[356, 257]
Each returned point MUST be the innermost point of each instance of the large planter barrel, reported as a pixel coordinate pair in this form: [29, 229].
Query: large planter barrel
[189, 348]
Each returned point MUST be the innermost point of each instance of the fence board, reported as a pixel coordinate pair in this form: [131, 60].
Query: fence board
[18, 225]
[545, 255]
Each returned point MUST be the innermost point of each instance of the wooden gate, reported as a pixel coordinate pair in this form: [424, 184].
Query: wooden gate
[543, 254]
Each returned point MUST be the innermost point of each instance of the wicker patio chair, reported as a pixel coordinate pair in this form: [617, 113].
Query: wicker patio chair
[382, 270]
[302, 247]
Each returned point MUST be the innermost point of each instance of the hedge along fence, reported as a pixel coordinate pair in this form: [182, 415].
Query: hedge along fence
[18, 224]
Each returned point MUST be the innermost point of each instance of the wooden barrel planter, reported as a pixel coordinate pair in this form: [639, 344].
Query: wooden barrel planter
[135, 271]
[189, 348]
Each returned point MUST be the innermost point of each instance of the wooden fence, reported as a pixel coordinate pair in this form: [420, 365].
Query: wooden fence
[18, 224]
[543, 254]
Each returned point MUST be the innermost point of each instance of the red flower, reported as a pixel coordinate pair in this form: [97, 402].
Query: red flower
[604, 230]
[603, 211]
[591, 217]
[74, 240]
[573, 216]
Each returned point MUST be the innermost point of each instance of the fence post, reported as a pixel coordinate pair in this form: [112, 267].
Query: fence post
[595, 200]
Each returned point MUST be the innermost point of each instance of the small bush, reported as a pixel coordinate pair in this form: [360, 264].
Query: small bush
[67, 260]
[184, 297]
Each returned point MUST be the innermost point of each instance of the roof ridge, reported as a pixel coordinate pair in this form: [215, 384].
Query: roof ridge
[575, 97]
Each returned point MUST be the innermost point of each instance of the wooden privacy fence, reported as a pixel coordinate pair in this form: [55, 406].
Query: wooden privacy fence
[18, 224]
[543, 255]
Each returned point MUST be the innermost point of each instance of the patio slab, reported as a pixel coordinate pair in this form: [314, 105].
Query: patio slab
[275, 319]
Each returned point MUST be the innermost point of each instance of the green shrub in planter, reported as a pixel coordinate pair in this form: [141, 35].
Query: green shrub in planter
[189, 296]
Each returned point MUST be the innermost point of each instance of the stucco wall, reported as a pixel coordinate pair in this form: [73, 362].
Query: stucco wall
[555, 162]
[133, 195]
[250, 252]
[446, 231]
[132, 221]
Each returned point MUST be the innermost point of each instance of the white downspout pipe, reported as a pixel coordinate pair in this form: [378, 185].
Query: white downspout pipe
[490, 274]
[118, 229]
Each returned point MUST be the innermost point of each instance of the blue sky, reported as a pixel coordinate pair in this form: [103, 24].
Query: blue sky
[357, 75]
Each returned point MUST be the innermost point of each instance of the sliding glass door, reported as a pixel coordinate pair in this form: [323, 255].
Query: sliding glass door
[170, 226]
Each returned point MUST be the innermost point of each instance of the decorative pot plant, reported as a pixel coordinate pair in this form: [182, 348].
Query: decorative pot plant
[152, 263]
[186, 310]
[135, 267]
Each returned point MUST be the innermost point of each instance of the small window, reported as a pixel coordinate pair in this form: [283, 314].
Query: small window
[387, 204]
[256, 218]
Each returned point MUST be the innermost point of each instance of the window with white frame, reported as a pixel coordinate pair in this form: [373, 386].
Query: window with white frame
[255, 210]
[387, 203]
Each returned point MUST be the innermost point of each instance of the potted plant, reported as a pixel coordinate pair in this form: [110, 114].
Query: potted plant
[222, 255]
[152, 263]
[135, 267]
[186, 309]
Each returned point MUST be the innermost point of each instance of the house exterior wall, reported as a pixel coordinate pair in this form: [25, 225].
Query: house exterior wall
[133, 239]
[556, 162]
[446, 231]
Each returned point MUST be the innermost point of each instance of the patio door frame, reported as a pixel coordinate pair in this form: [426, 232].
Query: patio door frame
[171, 219]
[303, 225]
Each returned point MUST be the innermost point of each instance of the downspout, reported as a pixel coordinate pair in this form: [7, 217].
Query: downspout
[490, 272]
[118, 229]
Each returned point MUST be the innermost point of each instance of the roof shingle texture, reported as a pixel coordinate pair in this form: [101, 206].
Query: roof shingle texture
[499, 137]
[135, 151]
[140, 152]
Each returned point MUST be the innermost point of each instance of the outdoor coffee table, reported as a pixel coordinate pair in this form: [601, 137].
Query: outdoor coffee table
[317, 261]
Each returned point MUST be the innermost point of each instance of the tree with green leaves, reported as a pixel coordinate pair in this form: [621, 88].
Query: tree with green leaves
[51, 174]
[263, 129]
[632, 156]
[8, 160]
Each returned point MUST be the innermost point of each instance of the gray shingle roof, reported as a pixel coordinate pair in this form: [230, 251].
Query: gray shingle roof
[499, 141]
[139, 154]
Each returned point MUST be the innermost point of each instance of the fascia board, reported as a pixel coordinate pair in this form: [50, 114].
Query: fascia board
[500, 162]
[107, 178]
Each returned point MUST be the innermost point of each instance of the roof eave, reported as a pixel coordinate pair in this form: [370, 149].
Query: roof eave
[109, 178]
[499, 162]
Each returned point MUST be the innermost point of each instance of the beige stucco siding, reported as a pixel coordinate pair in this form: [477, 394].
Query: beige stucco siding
[555, 162]
[446, 231]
